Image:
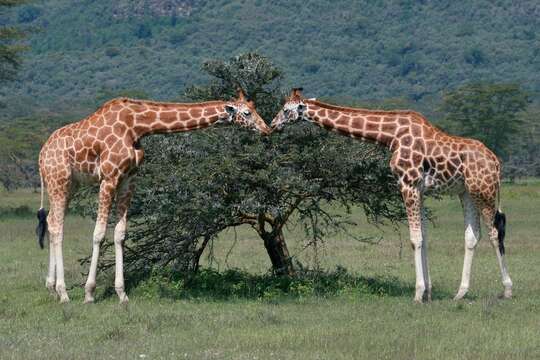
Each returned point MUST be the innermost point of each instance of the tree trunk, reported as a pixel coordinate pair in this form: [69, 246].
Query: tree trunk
[275, 245]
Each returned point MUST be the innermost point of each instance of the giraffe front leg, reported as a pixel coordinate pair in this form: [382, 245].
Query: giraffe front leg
[123, 201]
[413, 203]
[106, 194]
[427, 276]
[472, 236]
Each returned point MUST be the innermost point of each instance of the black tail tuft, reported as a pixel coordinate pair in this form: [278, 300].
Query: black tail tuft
[500, 225]
[41, 229]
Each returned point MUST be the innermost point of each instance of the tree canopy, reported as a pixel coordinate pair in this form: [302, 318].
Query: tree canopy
[487, 112]
[193, 186]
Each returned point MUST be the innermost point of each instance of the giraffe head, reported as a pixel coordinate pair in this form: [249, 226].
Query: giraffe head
[242, 111]
[292, 110]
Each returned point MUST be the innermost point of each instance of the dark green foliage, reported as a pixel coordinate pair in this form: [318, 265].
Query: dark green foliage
[112, 52]
[475, 56]
[524, 154]
[373, 50]
[236, 284]
[20, 143]
[143, 31]
[252, 72]
[28, 13]
[193, 186]
[10, 49]
[487, 112]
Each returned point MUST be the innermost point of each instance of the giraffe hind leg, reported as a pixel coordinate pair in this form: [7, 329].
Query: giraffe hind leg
[472, 236]
[56, 235]
[489, 214]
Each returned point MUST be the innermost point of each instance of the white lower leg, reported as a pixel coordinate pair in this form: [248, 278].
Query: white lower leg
[427, 276]
[60, 283]
[507, 282]
[89, 288]
[472, 236]
[119, 235]
[419, 267]
[50, 280]
[417, 244]
[471, 240]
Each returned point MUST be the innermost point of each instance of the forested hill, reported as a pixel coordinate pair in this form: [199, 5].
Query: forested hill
[84, 51]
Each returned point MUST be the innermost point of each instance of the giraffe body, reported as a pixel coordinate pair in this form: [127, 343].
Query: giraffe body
[105, 148]
[425, 161]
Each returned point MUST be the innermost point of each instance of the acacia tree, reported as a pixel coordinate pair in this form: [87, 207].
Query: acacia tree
[193, 186]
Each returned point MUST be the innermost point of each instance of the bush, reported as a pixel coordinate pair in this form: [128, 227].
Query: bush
[28, 14]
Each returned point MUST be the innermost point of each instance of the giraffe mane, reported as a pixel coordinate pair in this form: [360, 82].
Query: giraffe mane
[371, 111]
[163, 103]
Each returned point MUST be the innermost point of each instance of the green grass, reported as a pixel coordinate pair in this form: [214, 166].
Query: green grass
[368, 315]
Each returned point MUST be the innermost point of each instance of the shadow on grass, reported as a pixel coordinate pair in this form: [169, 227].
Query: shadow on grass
[209, 284]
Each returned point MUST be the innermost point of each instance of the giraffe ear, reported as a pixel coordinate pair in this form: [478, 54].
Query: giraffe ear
[297, 92]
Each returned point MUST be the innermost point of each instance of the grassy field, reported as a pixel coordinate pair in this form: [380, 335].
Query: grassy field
[379, 321]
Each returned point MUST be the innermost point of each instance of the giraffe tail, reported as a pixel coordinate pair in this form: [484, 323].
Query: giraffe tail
[41, 228]
[500, 225]
[500, 221]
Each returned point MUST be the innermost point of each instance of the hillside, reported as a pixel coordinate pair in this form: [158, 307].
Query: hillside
[84, 51]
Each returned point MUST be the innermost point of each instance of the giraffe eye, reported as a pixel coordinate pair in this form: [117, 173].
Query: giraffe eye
[247, 112]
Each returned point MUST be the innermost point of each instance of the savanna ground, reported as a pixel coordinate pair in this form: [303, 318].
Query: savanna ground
[364, 312]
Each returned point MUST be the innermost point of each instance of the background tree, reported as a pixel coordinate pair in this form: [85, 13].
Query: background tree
[193, 186]
[524, 157]
[487, 112]
[15, 164]
[10, 50]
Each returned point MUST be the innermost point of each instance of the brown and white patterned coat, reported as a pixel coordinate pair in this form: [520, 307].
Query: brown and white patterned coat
[105, 148]
[425, 160]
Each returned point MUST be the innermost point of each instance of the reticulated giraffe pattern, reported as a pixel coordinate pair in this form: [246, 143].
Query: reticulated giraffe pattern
[425, 160]
[105, 148]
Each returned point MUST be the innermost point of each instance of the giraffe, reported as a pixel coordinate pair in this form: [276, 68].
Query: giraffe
[425, 160]
[105, 148]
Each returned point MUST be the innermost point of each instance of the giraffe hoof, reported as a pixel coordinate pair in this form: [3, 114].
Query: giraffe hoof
[52, 292]
[64, 299]
[88, 299]
[124, 300]
[461, 294]
[50, 284]
[507, 294]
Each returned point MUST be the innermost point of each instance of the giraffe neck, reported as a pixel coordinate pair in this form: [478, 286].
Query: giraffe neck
[374, 126]
[155, 117]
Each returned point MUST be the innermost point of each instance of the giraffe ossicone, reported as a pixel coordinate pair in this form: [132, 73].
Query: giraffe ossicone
[424, 160]
[105, 148]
